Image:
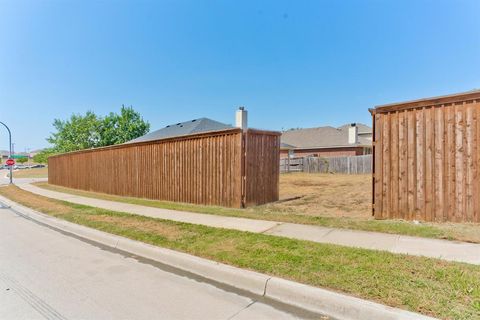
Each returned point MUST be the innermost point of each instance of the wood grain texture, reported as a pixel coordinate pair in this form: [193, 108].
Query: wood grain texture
[202, 169]
[427, 161]
[378, 168]
[402, 166]
[262, 167]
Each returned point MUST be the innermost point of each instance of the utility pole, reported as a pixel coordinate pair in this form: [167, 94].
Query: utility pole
[27, 153]
[9, 150]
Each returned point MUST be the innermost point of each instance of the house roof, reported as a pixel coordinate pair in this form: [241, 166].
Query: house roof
[362, 128]
[5, 153]
[286, 146]
[183, 128]
[324, 137]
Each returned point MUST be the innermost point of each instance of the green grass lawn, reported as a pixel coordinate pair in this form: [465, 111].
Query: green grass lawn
[447, 290]
[286, 212]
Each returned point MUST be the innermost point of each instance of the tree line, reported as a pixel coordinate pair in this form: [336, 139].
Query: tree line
[92, 131]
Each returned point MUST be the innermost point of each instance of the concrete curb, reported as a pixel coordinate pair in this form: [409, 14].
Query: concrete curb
[317, 300]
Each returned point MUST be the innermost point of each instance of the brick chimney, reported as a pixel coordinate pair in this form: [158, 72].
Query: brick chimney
[241, 118]
[353, 134]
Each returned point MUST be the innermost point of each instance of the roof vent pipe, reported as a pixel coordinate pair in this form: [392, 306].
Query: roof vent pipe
[241, 118]
[353, 134]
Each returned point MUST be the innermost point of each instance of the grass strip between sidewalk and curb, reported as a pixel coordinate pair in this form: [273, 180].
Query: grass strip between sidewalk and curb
[446, 290]
[449, 231]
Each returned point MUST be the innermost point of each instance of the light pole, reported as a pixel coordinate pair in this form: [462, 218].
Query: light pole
[9, 149]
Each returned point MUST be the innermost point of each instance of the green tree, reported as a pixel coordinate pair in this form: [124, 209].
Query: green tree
[77, 133]
[91, 131]
[22, 160]
[42, 156]
[123, 127]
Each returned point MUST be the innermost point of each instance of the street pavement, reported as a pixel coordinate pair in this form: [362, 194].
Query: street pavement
[45, 274]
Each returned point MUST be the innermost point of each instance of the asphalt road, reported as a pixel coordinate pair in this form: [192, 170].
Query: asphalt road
[45, 274]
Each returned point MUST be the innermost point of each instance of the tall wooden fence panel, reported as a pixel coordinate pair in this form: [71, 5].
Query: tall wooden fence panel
[262, 167]
[427, 159]
[203, 169]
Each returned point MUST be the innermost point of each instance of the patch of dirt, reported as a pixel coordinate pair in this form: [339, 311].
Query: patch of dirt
[229, 245]
[326, 194]
[31, 173]
[37, 202]
[168, 231]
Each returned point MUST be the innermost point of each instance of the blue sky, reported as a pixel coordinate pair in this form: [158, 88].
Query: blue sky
[291, 63]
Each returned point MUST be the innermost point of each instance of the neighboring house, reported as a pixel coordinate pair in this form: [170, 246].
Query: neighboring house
[199, 161]
[184, 128]
[348, 140]
[4, 154]
[364, 131]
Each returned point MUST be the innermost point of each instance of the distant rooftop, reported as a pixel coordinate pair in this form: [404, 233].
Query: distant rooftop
[324, 137]
[183, 128]
[362, 128]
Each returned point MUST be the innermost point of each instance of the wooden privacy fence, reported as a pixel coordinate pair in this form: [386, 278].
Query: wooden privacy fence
[345, 165]
[291, 165]
[232, 168]
[427, 159]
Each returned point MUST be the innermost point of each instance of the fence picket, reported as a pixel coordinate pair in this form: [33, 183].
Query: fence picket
[346, 165]
[204, 168]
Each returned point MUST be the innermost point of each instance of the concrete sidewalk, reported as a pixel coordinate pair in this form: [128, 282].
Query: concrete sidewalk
[441, 249]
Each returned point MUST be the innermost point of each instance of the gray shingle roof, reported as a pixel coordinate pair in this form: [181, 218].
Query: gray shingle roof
[324, 137]
[183, 128]
[286, 146]
[362, 128]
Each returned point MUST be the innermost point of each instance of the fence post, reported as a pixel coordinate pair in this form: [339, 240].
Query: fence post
[288, 162]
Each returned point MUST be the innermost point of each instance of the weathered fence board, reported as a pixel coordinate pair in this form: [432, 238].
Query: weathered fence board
[427, 159]
[262, 177]
[345, 165]
[206, 168]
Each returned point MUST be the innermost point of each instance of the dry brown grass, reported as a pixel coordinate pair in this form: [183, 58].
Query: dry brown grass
[31, 173]
[326, 195]
[170, 232]
[40, 203]
[347, 196]
[330, 200]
